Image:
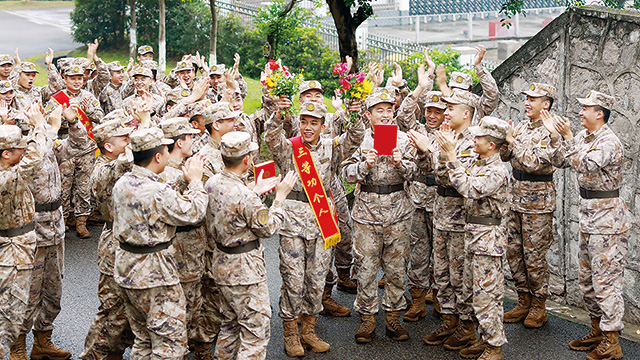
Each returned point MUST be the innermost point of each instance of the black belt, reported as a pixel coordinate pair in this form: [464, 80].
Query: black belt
[382, 189]
[251, 245]
[49, 206]
[18, 231]
[481, 220]
[597, 194]
[448, 192]
[63, 131]
[109, 224]
[522, 176]
[427, 180]
[180, 229]
[145, 249]
[298, 195]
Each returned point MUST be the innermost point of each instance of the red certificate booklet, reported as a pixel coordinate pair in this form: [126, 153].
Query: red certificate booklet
[385, 138]
[269, 168]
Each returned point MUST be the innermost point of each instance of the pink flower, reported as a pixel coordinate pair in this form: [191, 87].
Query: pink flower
[360, 77]
[286, 73]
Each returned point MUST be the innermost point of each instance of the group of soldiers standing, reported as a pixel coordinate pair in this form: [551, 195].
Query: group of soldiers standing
[167, 163]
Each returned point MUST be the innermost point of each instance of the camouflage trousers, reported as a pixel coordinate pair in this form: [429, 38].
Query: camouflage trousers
[208, 324]
[110, 332]
[342, 252]
[386, 246]
[602, 259]
[14, 295]
[420, 265]
[530, 237]
[448, 270]
[193, 297]
[75, 173]
[484, 289]
[303, 267]
[46, 289]
[246, 315]
[157, 317]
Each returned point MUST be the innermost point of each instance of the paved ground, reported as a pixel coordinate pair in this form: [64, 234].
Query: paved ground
[35, 30]
[80, 303]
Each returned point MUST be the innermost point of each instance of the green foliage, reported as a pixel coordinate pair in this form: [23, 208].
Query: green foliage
[100, 19]
[270, 21]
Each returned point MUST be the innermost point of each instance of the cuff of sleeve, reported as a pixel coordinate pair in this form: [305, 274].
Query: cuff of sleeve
[453, 164]
[362, 168]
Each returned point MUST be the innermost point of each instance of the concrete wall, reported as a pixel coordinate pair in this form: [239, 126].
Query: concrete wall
[584, 49]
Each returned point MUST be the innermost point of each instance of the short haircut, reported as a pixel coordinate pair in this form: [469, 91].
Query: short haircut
[496, 141]
[471, 109]
[209, 128]
[606, 112]
[232, 162]
[143, 158]
[176, 138]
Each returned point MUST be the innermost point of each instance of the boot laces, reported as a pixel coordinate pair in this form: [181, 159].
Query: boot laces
[604, 344]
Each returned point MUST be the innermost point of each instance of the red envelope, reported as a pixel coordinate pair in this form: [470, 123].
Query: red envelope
[269, 168]
[385, 138]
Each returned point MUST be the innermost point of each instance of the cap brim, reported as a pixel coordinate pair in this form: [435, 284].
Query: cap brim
[232, 115]
[123, 131]
[31, 71]
[167, 141]
[6, 62]
[450, 100]
[532, 93]
[459, 86]
[253, 147]
[435, 105]
[22, 144]
[191, 132]
[117, 68]
[586, 102]
[477, 131]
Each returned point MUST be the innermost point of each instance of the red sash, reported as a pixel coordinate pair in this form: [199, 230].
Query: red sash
[63, 99]
[316, 193]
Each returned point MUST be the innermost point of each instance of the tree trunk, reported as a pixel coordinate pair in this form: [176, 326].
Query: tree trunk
[346, 27]
[162, 39]
[213, 37]
[132, 31]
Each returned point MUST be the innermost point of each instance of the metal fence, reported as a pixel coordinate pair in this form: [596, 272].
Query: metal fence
[432, 7]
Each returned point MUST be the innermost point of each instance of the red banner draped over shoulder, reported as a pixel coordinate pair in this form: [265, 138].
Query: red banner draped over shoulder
[63, 99]
[316, 193]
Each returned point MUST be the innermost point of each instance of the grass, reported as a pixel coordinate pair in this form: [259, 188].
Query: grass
[17, 5]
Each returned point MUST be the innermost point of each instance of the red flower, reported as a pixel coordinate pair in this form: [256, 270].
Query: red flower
[345, 84]
[273, 65]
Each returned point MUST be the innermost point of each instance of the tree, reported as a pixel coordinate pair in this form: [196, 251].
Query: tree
[346, 25]
[213, 36]
[99, 19]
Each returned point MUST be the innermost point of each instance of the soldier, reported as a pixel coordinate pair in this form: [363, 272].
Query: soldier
[382, 215]
[8, 114]
[485, 189]
[533, 199]
[46, 279]
[216, 77]
[145, 52]
[185, 73]
[597, 155]
[448, 234]
[77, 165]
[189, 241]
[304, 260]
[459, 81]
[6, 66]
[26, 93]
[236, 220]
[20, 158]
[142, 79]
[110, 333]
[194, 111]
[146, 212]
[111, 98]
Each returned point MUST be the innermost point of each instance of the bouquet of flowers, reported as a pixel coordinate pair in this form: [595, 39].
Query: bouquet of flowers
[280, 81]
[354, 86]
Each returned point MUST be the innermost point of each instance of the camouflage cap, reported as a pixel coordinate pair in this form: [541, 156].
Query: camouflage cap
[198, 107]
[434, 99]
[177, 126]
[150, 64]
[92, 66]
[144, 49]
[63, 62]
[596, 98]
[460, 97]
[540, 89]
[142, 71]
[11, 138]
[183, 65]
[460, 80]
[217, 69]
[223, 87]
[115, 66]
[147, 139]
[225, 111]
[6, 59]
[310, 85]
[491, 126]
[109, 129]
[30, 67]
[236, 144]
[209, 112]
[5, 86]
[379, 95]
[72, 69]
[313, 109]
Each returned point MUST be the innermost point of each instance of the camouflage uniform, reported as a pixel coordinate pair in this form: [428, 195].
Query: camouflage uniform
[16, 250]
[304, 261]
[598, 158]
[146, 212]
[98, 83]
[237, 217]
[25, 97]
[487, 102]
[530, 221]
[111, 97]
[110, 331]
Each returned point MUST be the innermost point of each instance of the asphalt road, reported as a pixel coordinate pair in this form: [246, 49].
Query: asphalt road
[80, 303]
[32, 31]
